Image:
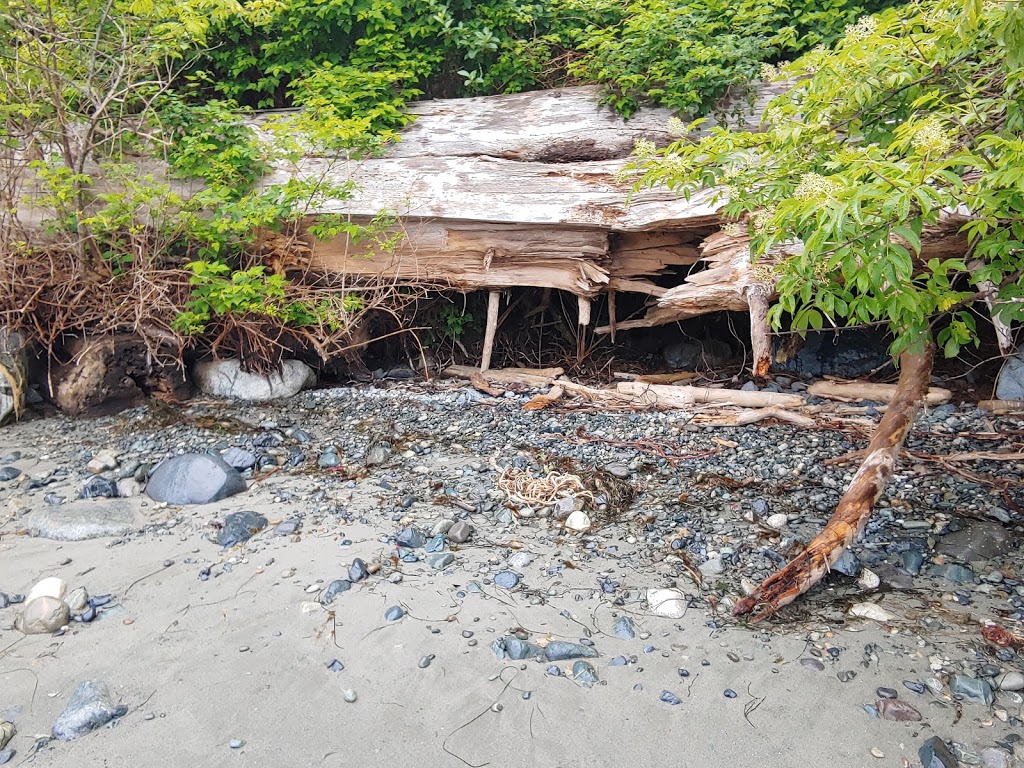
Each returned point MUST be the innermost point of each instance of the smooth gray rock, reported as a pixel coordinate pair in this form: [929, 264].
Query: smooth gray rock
[978, 541]
[584, 674]
[239, 458]
[561, 650]
[81, 520]
[89, 708]
[506, 579]
[1010, 382]
[460, 532]
[226, 379]
[972, 688]
[440, 560]
[1010, 681]
[517, 649]
[194, 478]
[847, 564]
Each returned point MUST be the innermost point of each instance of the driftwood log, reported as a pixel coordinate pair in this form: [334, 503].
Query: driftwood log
[855, 508]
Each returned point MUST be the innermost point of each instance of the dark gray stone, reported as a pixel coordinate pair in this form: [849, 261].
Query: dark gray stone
[624, 628]
[957, 574]
[6, 755]
[584, 674]
[194, 478]
[847, 564]
[562, 650]
[334, 589]
[410, 538]
[239, 527]
[328, 460]
[935, 754]
[978, 541]
[517, 649]
[394, 613]
[912, 561]
[357, 571]
[9, 473]
[89, 708]
[618, 470]
[436, 544]
[670, 698]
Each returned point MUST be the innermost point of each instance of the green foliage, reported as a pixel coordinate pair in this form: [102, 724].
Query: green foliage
[913, 120]
[454, 322]
[369, 57]
[217, 291]
[211, 141]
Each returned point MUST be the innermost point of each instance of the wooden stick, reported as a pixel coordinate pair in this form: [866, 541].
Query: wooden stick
[611, 315]
[528, 377]
[1004, 333]
[760, 331]
[855, 391]
[1002, 406]
[584, 310]
[855, 508]
[682, 397]
[493, 302]
[774, 412]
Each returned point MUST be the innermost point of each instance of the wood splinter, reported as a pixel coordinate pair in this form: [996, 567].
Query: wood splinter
[855, 508]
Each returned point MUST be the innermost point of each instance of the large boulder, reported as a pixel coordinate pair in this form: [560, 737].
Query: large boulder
[194, 478]
[1010, 383]
[226, 379]
[13, 375]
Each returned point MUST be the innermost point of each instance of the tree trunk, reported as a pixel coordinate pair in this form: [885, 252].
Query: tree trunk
[854, 510]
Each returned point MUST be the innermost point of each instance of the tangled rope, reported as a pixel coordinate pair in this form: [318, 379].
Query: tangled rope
[523, 488]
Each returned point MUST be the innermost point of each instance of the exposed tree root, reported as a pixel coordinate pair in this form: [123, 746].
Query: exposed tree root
[854, 510]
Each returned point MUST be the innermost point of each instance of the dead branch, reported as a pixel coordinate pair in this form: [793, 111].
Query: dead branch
[855, 508]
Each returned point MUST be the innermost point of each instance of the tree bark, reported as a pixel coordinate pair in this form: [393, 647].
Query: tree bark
[760, 331]
[855, 508]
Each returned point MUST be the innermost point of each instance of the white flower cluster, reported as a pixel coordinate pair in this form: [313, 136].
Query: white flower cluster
[676, 127]
[644, 149]
[931, 138]
[732, 229]
[769, 72]
[759, 219]
[863, 29]
[814, 186]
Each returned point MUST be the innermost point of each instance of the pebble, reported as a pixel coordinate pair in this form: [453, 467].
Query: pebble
[394, 613]
[729, 693]
[460, 532]
[440, 560]
[876, 752]
[670, 698]
[915, 686]
[357, 571]
[620, 471]
[886, 693]
[425, 661]
[236, 744]
[350, 696]
[811, 663]
[1010, 681]
[506, 579]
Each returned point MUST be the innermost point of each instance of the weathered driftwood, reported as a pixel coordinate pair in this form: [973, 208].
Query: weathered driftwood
[525, 377]
[855, 508]
[855, 391]
[683, 397]
[1002, 406]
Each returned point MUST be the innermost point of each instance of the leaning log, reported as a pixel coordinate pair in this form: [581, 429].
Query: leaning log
[857, 504]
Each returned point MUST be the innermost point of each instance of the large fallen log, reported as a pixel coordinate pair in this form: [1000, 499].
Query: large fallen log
[855, 508]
